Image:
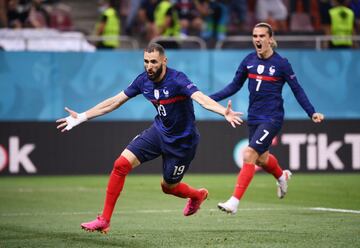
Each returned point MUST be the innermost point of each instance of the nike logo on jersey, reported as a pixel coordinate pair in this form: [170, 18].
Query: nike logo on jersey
[249, 66]
[258, 142]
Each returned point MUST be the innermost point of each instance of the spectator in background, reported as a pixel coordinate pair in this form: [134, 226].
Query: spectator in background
[3, 16]
[293, 5]
[190, 20]
[108, 27]
[38, 16]
[342, 21]
[124, 9]
[131, 24]
[15, 18]
[238, 15]
[60, 17]
[324, 7]
[147, 19]
[273, 12]
[300, 19]
[166, 19]
[216, 16]
[315, 15]
[355, 6]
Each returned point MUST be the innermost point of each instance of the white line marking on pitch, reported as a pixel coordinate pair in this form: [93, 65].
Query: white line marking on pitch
[177, 210]
[336, 210]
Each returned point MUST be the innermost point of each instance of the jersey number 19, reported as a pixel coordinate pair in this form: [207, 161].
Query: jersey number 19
[161, 110]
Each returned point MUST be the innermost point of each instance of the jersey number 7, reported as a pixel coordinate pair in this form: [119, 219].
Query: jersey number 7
[258, 84]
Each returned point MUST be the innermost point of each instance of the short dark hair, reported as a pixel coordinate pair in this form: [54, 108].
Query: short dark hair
[155, 47]
[265, 25]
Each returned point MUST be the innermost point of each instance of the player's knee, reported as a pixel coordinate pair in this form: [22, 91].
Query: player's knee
[262, 160]
[122, 166]
[249, 155]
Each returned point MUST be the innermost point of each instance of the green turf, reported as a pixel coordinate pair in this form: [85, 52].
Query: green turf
[47, 211]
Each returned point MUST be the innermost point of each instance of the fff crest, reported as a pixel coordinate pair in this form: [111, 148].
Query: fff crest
[156, 94]
[272, 70]
[260, 69]
[166, 92]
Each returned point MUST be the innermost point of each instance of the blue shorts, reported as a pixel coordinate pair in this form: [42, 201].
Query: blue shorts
[148, 145]
[261, 136]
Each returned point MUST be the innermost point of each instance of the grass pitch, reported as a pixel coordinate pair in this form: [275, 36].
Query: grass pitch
[47, 212]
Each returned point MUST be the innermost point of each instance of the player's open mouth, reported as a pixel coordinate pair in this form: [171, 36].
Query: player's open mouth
[258, 45]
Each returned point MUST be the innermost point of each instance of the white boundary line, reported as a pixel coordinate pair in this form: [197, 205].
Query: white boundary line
[336, 210]
[149, 211]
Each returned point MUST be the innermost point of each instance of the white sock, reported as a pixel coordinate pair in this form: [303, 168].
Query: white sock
[282, 178]
[233, 201]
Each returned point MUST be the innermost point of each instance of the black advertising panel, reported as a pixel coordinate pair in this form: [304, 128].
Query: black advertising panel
[332, 146]
[38, 148]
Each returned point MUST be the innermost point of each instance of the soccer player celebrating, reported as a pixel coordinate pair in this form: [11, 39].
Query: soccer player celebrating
[173, 135]
[267, 72]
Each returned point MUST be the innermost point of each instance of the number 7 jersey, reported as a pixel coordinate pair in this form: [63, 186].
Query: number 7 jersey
[266, 78]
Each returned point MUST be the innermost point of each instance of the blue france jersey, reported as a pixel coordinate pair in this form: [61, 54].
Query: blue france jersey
[266, 80]
[175, 119]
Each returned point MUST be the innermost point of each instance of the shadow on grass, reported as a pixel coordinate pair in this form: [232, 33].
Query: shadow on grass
[20, 236]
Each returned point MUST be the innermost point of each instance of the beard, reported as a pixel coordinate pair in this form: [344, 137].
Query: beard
[155, 76]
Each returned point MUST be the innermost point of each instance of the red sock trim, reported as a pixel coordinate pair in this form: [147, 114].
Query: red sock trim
[244, 178]
[273, 166]
[115, 185]
[182, 190]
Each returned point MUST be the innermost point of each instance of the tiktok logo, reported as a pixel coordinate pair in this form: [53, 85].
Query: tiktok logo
[320, 153]
[17, 156]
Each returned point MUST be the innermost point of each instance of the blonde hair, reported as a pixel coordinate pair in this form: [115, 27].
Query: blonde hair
[270, 32]
[273, 43]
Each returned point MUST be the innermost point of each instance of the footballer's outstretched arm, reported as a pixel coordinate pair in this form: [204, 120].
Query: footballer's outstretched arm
[206, 102]
[102, 108]
[107, 105]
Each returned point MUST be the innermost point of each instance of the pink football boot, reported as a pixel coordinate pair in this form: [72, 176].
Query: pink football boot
[193, 205]
[99, 224]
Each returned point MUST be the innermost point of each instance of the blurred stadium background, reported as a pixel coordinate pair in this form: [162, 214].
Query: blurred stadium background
[54, 55]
